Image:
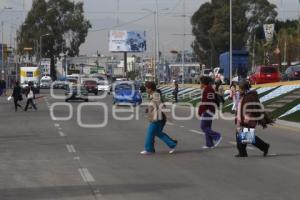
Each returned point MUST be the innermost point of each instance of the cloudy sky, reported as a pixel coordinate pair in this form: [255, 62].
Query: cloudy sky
[132, 15]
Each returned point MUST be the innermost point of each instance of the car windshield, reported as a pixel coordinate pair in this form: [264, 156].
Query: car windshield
[103, 83]
[296, 68]
[90, 82]
[268, 70]
[125, 86]
[45, 81]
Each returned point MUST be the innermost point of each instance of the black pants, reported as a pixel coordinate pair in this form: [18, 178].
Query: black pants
[259, 143]
[17, 104]
[30, 101]
[176, 98]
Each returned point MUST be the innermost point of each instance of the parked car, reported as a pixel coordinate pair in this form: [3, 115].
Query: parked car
[104, 86]
[265, 74]
[91, 86]
[59, 84]
[126, 92]
[76, 93]
[25, 85]
[45, 84]
[292, 73]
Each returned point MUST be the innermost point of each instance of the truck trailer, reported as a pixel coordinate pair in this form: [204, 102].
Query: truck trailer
[30, 75]
[240, 64]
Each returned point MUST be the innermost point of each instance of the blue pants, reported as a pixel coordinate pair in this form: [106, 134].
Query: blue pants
[210, 135]
[155, 129]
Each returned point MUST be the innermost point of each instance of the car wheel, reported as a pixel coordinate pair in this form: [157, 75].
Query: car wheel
[86, 100]
[96, 93]
[66, 100]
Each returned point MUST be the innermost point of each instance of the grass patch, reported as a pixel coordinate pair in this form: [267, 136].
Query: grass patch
[285, 108]
[294, 117]
[227, 102]
[277, 98]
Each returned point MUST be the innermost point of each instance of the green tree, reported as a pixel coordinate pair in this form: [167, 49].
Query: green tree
[63, 20]
[211, 26]
[132, 75]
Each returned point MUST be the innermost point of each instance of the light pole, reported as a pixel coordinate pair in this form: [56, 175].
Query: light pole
[156, 53]
[230, 53]
[156, 36]
[41, 44]
[2, 50]
[183, 50]
[2, 45]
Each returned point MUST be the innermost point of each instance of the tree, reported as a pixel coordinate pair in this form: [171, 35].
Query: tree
[211, 26]
[132, 75]
[63, 20]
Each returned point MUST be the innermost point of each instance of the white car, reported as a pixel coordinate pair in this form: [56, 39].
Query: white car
[104, 86]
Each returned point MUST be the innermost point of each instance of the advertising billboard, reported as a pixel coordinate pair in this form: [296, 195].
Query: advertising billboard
[45, 66]
[127, 41]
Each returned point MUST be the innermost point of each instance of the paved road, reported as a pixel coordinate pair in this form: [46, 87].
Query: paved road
[46, 159]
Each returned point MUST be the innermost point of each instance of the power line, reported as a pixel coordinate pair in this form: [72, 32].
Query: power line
[117, 26]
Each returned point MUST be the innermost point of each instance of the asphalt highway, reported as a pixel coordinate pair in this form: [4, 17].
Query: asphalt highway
[43, 158]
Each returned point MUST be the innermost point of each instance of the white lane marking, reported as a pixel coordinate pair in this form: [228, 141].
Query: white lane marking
[56, 125]
[76, 158]
[248, 147]
[181, 126]
[170, 124]
[59, 128]
[71, 148]
[197, 132]
[61, 134]
[86, 175]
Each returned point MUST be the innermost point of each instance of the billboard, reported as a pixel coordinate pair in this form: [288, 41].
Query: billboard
[45, 66]
[269, 32]
[127, 41]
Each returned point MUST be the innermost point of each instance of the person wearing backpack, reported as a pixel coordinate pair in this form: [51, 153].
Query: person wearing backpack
[250, 113]
[30, 95]
[206, 111]
[156, 122]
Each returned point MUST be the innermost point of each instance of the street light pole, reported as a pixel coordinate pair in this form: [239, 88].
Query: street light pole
[183, 50]
[156, 42]
[41, 45]
[2, 50]
[156, 35]
[230, 54]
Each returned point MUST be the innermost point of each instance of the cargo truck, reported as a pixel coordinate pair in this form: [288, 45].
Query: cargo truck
[30, 75]
[240, 64]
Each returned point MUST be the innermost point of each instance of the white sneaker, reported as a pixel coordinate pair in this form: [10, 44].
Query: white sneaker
[218, 142]
[206, 147]
[172, 151]
[146, 152]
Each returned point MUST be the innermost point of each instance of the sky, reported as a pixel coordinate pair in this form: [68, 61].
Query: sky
[106, 15]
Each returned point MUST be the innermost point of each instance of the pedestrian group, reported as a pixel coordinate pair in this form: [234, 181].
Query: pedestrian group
[249, 113]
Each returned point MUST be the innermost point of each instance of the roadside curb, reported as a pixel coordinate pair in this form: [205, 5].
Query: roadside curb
[287, 123]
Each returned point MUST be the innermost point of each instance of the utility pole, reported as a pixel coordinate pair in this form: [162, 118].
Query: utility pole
[253, 56]
[183, 49]
[2, 50]
[156, 41]
[230, 54]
